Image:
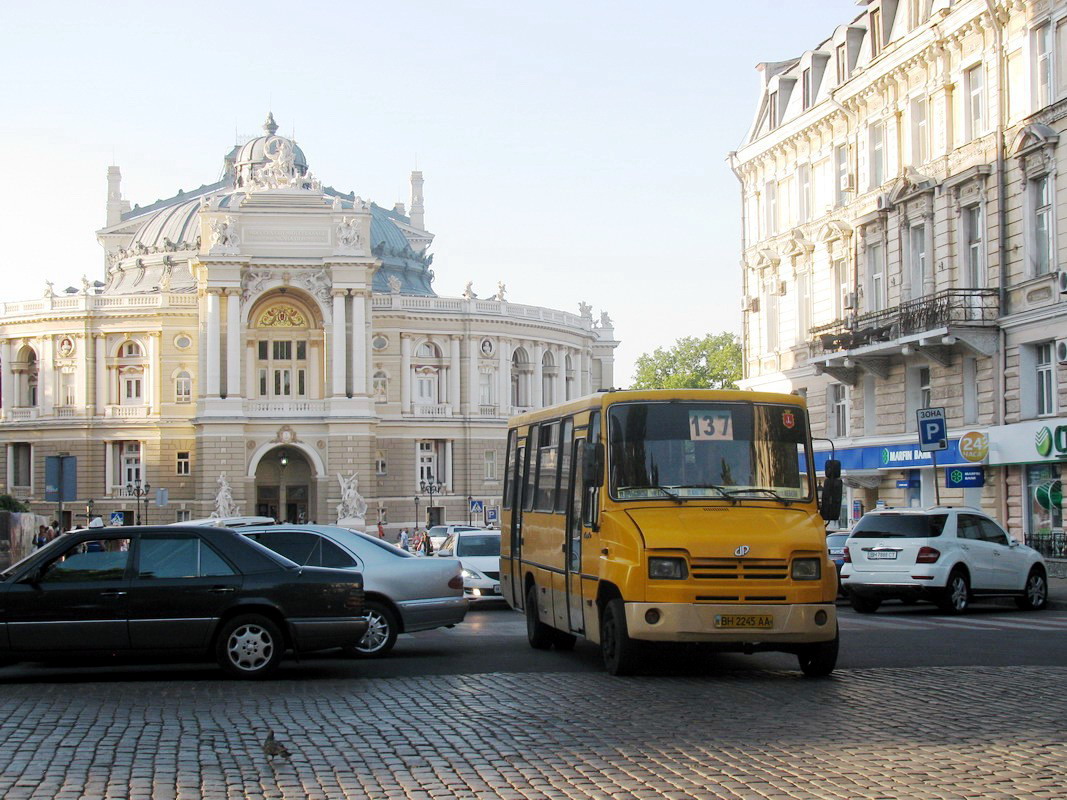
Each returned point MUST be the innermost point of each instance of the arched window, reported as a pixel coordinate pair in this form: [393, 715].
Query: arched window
[427, 350]
[130, 350]
[26, 371]
[519, 366]
[427, 386]
[131, 386]
[183, 388]
[548, 379]
[286, 343]
[569, 368]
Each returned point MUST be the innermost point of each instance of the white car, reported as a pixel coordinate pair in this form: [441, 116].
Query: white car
[478, 552]
[945, 554]
[438, 533]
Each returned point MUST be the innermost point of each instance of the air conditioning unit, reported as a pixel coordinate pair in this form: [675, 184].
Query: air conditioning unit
[850, 300]
[882, 202]
[751, 304]
[847, 183]
[1061, 351]
[1061, 281]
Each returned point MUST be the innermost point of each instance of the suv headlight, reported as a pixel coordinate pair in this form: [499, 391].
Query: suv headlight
[807, 569]
[667, 569]
[471, 575]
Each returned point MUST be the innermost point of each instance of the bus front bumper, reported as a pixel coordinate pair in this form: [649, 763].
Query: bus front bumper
[708, 622]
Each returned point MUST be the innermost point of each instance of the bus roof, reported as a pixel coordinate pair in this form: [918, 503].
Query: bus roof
[609, 396]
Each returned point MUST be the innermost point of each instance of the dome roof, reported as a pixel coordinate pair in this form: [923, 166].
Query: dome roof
[178, 224]
[255, 151]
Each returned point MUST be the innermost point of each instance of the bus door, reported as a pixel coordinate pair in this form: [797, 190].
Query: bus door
[573, 542]
[519, 468]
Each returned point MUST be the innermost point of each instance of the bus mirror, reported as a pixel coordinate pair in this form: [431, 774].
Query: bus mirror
[832, 487]
[593, 465]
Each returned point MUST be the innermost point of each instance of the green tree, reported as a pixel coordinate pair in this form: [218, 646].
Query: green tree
[713, 362]
[9, 503]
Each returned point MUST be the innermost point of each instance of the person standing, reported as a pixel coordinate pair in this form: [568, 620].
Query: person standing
[381, 530]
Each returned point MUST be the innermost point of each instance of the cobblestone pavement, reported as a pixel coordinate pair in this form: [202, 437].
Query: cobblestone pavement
[879, 733]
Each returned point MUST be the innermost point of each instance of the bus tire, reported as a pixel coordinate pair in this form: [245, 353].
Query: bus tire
[563, 641]
[538, 634]
[819, 659]
[620, 652]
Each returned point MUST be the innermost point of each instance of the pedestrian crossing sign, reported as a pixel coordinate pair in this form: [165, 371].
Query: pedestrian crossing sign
[477, 506]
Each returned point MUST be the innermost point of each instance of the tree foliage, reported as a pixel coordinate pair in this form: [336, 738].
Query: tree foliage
[9, 503]
[713, 362]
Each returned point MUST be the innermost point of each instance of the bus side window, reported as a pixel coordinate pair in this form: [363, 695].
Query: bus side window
[576, 497]
[509, 465]
[530, 468]
[591, 494]
[564, 465]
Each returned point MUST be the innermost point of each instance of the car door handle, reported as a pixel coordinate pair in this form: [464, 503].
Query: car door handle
[222, 590]
[112, 594]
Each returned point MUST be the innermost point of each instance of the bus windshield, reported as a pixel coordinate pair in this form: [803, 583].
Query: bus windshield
[691, 449]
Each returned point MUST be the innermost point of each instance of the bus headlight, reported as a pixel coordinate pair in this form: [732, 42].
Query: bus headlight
[807, 569]
[667, 569]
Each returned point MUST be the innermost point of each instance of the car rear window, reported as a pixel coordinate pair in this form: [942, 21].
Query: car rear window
[836, 539]
[903, 526]
[478, 545]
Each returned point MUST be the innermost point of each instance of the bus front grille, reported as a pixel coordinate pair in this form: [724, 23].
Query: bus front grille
[731, 569]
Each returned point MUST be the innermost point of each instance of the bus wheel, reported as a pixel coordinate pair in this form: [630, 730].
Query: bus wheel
[620, 652]
[818, 660]
[539, 635]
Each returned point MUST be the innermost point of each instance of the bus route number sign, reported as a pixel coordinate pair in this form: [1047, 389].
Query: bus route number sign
[707, 425]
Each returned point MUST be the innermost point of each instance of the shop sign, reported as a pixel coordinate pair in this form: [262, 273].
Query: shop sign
[974, 446]
[894, 456]
[1028, 442]
[857, 509]
[1049, 495]
[964, 477]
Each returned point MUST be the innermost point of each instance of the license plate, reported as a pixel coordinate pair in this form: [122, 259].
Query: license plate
[837, 551]
[884, 555]
[744, 621]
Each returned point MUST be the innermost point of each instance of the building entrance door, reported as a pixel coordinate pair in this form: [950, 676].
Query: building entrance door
[283, 486]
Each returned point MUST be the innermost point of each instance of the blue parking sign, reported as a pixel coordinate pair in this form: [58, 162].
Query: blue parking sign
[933, 429]
[491, 514]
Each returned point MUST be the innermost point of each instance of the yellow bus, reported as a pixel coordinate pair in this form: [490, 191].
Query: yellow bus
[637, 517]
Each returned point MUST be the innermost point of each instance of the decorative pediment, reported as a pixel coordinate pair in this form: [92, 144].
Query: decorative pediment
[1034, 136]
[797, 245]
[835, 229]
[912, 183]
[766, 257]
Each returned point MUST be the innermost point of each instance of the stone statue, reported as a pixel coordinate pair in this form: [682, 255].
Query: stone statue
[348, 236]
[86, 286]
[224, 237]
[585, 310]
[468, 291]
[49, 289]
[353, 508]
[501, 290]
[224, 505]
[253, 282]
[394, 284]
[605, 320]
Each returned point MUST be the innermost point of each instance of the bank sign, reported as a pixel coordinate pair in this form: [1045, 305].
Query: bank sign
[1028, 442]
[895, 456]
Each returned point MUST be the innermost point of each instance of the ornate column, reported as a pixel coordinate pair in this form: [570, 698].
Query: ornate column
[930, 274]
[405, 376]
[473, 376]
[233, 343]
[560, 354]
[337, 344]
[100, 345]
[154, 378]
[46, 377]
[447, 466]
[214, 337]
[7, 380]
[453, 374]
[359, 343]
[503, 378]
[81, 385]
[537, 397]
[585, 372]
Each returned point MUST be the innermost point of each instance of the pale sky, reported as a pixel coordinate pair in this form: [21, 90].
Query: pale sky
[574, 150]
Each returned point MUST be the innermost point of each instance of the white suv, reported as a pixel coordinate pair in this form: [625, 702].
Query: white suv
[944, 554]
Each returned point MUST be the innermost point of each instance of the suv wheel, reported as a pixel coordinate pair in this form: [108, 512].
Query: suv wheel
[957, 596]
[863, 605]
[1035, 593]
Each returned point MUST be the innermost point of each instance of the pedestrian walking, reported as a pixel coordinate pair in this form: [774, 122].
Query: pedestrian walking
[404, 540]
[381, 530]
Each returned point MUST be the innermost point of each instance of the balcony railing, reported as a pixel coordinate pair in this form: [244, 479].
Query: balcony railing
[435, 410]
[951, 307]
[285, 408]
[487, 411]
[126, 412]
[28, 412]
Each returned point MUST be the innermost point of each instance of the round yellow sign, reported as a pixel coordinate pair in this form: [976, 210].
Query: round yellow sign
[974, 446]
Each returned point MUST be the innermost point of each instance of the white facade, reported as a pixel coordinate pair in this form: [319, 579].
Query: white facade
[905, 200]
[285, 336]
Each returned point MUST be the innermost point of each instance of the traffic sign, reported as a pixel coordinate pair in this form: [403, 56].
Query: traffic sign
[491, 514]
[118, 517]
[933, 429]
[477, 506]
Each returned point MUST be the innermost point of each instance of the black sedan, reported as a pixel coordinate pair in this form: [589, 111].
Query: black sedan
[172, 592]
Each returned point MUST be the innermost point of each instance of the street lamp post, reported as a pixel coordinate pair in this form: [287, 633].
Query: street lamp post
[469, 511]
[430, 487]
[283, 500]
[139, 492]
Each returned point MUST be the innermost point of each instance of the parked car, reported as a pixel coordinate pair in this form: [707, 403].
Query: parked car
[403, 593]
[438, 533]
[173, 591]
[835, 548]
[479, 553]
[944, 554]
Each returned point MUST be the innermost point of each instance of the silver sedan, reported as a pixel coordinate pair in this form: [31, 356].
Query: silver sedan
[403, 593]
